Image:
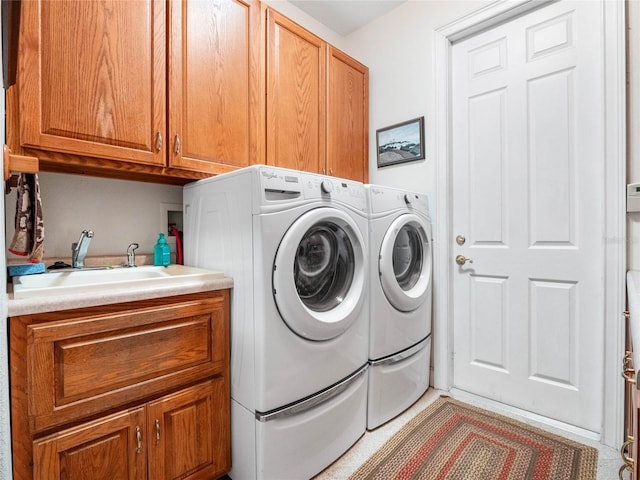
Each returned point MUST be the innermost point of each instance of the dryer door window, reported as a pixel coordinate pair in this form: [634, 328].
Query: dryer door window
[405, 262]
[319, 274]
[408, 255]
[323, 267]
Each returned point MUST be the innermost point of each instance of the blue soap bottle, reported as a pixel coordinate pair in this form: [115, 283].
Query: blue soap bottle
[161, 252]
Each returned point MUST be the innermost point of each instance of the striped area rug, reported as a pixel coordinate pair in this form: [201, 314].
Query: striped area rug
[455, 441]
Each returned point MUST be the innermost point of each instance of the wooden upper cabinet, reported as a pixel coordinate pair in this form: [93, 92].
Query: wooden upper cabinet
[92, 78]
[317, 104]
[347, 117]
[296, 96]
[144, 87]
[175, 90]
[213, 84]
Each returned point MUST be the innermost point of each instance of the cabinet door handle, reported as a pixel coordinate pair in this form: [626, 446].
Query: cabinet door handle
[628, 376]
[157, 432]
[138, 440]
[624, 468]
[177, 145]
[627, 460]
[158, 141]
[628, 373]
[628, 357]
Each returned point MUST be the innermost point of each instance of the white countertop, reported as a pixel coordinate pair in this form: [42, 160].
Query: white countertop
[633, 294]
[26, 306]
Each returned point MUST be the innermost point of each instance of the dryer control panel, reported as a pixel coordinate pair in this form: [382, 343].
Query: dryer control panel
[388, 199]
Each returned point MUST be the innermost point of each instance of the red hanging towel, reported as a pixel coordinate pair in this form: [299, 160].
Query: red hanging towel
[179, 259]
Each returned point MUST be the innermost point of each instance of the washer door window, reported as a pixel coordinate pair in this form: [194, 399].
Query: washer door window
[405, 262]
[319, 274]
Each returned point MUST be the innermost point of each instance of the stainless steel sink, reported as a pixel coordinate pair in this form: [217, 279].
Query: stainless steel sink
[78, 281]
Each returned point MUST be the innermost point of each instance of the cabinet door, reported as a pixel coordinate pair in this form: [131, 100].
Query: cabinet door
[296, 94]
[213, 84]
[92, 78]
[348, 117]
[106, 449]
[190, 433]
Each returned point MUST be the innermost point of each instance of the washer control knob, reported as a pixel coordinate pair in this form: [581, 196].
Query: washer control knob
[326, 186]
[408, 199]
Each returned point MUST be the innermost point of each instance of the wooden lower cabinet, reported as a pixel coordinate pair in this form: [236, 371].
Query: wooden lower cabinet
[104, 449]
[188, 433]
[177, 436]
[130, 391]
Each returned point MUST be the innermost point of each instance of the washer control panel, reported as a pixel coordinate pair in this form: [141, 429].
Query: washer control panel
[280, 184]
[334, 189]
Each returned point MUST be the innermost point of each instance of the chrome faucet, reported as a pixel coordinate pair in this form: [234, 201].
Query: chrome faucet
[79, 249]
[131, 255]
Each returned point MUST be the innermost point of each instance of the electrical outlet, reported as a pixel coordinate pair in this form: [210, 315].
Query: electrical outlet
[170, 214]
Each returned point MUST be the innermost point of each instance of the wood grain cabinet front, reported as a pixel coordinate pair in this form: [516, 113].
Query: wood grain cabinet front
[147, 87]
[123, 391]
[169, 91]
[347, 117]
[317, 103]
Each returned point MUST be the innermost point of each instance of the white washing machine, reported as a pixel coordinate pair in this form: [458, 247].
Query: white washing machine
[400, 301]
[295, 245]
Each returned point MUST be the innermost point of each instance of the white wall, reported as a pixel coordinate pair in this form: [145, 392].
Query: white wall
[398, 49]
[119, 212]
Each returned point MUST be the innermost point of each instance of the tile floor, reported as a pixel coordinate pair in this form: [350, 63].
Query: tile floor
[608, 458]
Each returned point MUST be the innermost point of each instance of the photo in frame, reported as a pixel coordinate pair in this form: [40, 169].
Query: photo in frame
[400, 143]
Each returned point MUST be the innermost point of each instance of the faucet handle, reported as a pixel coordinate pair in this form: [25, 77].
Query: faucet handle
[79, 248]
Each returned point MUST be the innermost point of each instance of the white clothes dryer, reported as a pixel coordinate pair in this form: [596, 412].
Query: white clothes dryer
[400, 267]
[295, 245]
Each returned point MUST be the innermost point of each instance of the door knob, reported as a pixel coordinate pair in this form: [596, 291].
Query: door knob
[461, 260]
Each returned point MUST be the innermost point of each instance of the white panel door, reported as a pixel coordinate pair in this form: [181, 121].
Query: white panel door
[528, 195]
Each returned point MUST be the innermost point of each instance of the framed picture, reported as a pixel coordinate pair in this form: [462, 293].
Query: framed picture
[400, 143]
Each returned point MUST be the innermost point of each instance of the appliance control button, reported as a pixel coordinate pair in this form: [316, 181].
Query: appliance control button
[326, 186]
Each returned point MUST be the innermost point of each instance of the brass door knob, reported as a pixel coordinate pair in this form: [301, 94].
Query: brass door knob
[461, 260]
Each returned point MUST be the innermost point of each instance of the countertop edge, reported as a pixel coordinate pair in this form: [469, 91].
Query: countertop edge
[28, 306]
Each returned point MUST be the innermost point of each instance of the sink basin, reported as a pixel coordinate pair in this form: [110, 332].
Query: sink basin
[70, 282]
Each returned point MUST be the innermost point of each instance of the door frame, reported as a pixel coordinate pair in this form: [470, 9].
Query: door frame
[613, 31]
